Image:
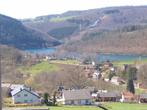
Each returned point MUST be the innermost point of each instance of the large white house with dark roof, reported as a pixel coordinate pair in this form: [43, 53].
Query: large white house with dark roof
[24, 95]
[76, 97]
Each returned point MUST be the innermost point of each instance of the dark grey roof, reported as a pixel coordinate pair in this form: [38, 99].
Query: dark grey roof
[143, 95]
[77, 94]
[23, 88]
[109, 94]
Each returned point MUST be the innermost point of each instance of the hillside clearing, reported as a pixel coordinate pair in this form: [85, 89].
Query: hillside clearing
[40, 67]
[129, 62]
[70, 62]
[59, 19]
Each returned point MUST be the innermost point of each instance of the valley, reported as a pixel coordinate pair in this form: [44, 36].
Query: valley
[91, 58]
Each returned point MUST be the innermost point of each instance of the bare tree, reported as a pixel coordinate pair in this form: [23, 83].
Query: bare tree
[76, 78]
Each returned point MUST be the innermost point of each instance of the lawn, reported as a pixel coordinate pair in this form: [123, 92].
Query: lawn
[109, 106]
[40, 67]
[59, 19]
[70, 62]
[125, 106]
[140, 91]
[75, 108]
[120, 63]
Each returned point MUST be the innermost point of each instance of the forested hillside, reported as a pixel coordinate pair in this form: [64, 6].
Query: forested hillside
[113, 29]
[15, 34]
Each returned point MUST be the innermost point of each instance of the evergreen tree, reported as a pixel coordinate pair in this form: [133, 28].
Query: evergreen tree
[46, 96]
[132, 73]
[130, 86]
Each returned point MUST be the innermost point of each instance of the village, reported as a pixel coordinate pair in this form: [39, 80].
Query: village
[23, 95]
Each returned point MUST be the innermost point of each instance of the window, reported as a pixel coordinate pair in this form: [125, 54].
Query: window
[31, 100]
[72, 102]
[87, 101]
[25, 95]
[25, 101]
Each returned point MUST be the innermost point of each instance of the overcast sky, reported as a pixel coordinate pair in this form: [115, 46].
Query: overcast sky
[32, 8]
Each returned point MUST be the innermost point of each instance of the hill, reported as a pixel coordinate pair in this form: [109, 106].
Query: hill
[110, 30]
[15, 34]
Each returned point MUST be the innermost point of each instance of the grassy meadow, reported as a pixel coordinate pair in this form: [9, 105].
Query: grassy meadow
[59, 19]
[109, 106]
[125, 106]
[70, 62]
[40, 67]
[120, 63]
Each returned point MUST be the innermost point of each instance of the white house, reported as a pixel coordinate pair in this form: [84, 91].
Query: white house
[96, 75]
[76, 97]
[25, 95]
[117, 80]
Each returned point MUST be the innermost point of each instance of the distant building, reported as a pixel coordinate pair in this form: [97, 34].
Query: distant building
[117, 80]
[128, 97]
[76, 97]
[109, 96]
[143, 98]
[96, 75]
[23, 94]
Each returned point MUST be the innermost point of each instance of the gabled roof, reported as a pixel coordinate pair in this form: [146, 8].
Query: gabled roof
[13, 86]
[109, 94]
[23, 88]
[77, 94]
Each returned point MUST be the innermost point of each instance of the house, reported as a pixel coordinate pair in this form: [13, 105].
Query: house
[76, 97]
[23, 94]
[107, 64]
[108, 96]
[117, 80]
[96, 75]
[137, 85]
[127, 97]
[143, 98]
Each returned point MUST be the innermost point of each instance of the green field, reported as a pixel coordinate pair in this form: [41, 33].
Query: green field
[120, 63]
[75, 108]
[40, 67]
[125, 106]
[109, 106]
[59, 19]
[70, 62]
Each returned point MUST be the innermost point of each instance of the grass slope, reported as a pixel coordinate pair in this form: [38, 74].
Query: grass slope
[59, 19]
[70, 62]
[120, 63]
[40, 67]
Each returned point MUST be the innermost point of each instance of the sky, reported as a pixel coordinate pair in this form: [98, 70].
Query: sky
[21, 9]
